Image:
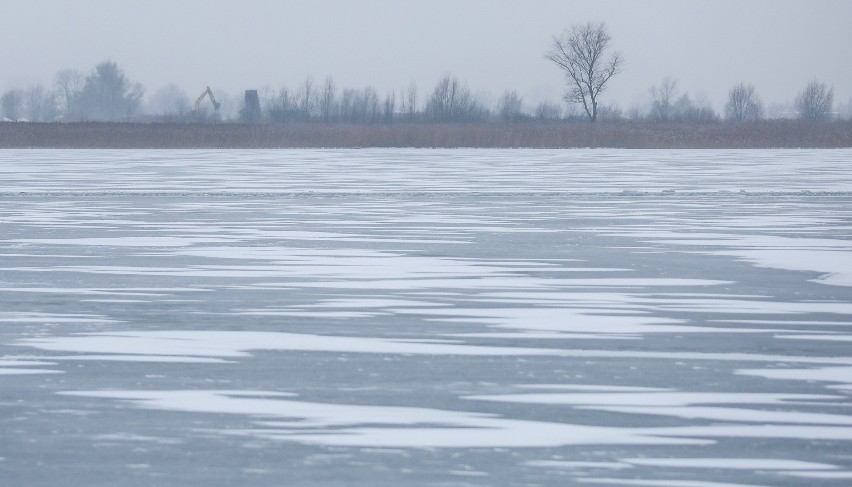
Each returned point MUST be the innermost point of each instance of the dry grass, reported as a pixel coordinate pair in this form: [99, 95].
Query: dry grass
[637, 135]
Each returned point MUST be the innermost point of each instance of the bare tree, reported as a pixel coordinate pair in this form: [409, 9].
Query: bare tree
[34, 102]
[345, 106]
[170, 101]
[579, 52]
[408, 101]
[282, 107]
[694, 110]
[305, 96]
[743, 103]
[510, 106]
[69, 85]
[328, 99]
[548, 110]
[844, 110]
[12, 102]
[370, 105]
[40, 104]
[411, 95]
[662, 99]
[452, 101]
[285, 99]
[444, 98]
[610, 113]
[361, 106]
[814, 102]
[389, 107]
[403, 108]
[668, 105]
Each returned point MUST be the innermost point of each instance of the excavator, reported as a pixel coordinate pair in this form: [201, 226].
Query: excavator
[209, 93]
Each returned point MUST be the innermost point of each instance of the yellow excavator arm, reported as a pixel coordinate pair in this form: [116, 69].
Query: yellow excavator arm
[209, 93]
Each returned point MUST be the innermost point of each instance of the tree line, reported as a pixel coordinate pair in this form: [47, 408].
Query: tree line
[580, 53]
[104, 94]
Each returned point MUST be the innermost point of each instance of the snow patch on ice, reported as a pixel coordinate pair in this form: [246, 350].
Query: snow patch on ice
[238, 344]
[768, 431]
[592, 387]
[691, 405]
[13, 367]
[233, 344]
[8, 371]
[842, 375]
[149, 241]
[831, 257]
[730, 463]
[730, 414]
[821, 474]
[656, 399]
[564, 464]
[826, 338]
[378, 426]
[35, 317]
[128, 437]
[661, 483]
[596, 321]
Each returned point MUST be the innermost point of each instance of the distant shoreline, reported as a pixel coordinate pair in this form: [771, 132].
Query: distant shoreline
[766, 134]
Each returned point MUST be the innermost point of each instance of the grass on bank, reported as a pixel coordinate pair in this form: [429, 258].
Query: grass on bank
[623, 134]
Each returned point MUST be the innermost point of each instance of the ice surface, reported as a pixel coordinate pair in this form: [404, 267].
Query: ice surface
[730, 463]
[412, 171]
[843, 375]
[829, 257]
[233, 344]
[39, 317]
[769, 431]
[769, 464]
[238, 344]
[437, 317]
[578, 465]
[13, 367]
[346, 424]
[15, 363]
[761, 416]
[662, 483]
[820, 474]
[831, 338]
[10, 371]
[652, 399]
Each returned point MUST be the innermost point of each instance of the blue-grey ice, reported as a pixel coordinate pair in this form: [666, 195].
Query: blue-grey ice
[426, 317]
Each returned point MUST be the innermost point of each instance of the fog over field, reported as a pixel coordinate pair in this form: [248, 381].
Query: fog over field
[494, 45]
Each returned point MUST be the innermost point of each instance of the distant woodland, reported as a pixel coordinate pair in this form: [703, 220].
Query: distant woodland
[104, 108]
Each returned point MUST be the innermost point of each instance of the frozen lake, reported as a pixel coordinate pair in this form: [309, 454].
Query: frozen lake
[426, 317]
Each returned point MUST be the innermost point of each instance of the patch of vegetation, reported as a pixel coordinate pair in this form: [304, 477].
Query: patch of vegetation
[755, 134]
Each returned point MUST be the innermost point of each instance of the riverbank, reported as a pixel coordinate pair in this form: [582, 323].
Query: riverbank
[624, 134]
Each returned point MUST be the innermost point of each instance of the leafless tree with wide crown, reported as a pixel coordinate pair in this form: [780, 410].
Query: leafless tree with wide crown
[579, 52]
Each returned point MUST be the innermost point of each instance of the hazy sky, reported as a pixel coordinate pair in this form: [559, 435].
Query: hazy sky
[707, 45]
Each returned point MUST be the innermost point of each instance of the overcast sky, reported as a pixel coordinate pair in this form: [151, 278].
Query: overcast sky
[707, 45]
